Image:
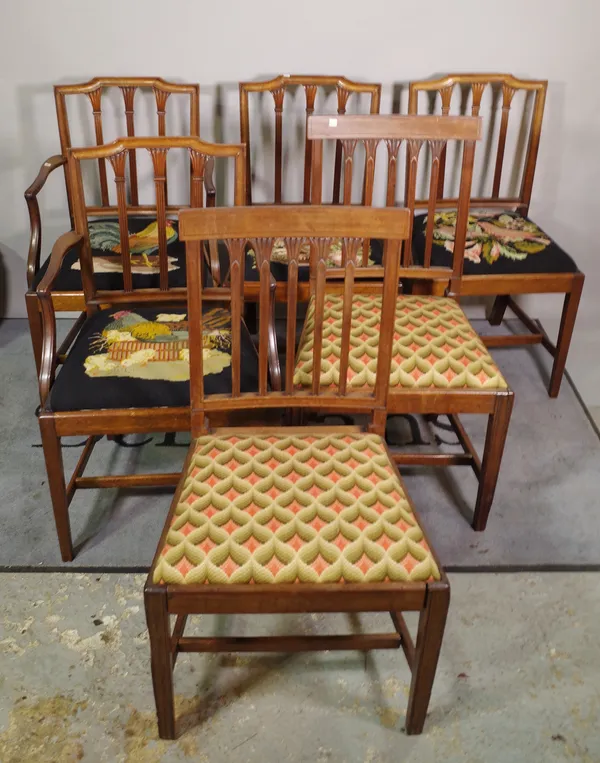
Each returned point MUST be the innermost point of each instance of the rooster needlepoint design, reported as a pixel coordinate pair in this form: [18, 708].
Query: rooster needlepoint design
[157, 348]
[143, 246]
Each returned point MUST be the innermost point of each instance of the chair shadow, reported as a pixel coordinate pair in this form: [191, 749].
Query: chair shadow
[514, 326]
[101, 521]
[258, 669]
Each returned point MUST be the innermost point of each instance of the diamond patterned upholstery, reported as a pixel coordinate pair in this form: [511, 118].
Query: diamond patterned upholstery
[434, 346]
[298, 508]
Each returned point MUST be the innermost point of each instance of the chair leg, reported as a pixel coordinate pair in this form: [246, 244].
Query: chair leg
[496, 313]
[35, 327]
[495, 439]
[157, 619]
[429, 642]
[565, 332]
[56, 482]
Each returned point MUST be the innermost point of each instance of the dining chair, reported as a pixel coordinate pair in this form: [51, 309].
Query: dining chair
[507, 254]
[124, 367]
[292, 519]
[68, 290]
[440, 366]
[316, 89]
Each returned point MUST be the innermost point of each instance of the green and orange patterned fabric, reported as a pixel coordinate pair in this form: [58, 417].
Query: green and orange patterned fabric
[298, 508]
[435, 346]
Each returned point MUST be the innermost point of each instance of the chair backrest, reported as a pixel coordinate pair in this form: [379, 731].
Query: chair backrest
[117, 154]
[504, 87]
[94, 90]
[412, 132]
[278, 86]
[296, 225]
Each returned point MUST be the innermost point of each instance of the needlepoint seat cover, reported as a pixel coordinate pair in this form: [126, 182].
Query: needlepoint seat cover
[139, 357]
[279, 259]
[435, 346]
[297, 508]
[105, 243]
[497, 243]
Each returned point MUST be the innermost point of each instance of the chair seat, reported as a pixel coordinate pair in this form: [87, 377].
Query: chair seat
[139, 357]
[279, 260]
[435, 346]
[105, 243]
[501, 243]
[303, 507]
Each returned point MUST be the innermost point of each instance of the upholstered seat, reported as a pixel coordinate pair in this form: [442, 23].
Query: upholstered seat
[297, 508]
[105, 243]
[434, 346]
[139, 357]
[505, 242]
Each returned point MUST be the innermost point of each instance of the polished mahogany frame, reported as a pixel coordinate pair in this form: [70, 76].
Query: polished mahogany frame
[296, 224]
[504, 287]
[277, 87]
[67, 301]
[416, 132]
[110, 421]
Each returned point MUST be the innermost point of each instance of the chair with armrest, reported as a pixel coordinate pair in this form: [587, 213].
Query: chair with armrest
[124, 368]
[67, 288]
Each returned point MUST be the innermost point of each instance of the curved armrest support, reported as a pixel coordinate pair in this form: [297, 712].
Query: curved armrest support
[49, 359]
[35, 241]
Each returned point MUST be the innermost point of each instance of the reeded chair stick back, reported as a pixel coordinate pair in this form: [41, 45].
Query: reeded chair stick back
[314, 87]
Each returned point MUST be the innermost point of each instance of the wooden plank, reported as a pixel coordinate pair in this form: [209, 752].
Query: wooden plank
[393, 126]
[128, 480]
[292, 597]
[512, 340]
[432, 459]
[294, 221]
[288, 644]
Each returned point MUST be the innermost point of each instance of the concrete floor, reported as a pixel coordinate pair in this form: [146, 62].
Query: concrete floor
[519, 680]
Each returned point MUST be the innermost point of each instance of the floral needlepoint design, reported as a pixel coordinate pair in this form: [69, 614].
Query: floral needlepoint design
[491, 236]
[143, 247]
[279, 254]
[134, 346]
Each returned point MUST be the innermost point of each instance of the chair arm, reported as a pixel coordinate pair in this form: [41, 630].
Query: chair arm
[35, 241]
[62, 245]
[49, 356]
